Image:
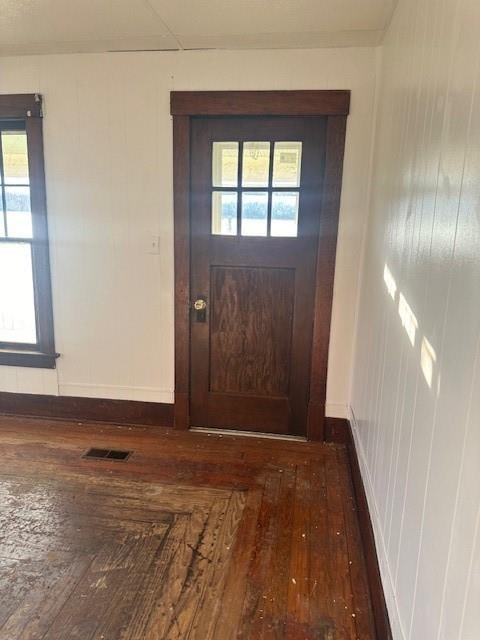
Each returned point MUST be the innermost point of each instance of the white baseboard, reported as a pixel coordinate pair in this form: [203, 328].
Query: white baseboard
[45, 382]
[112, 392]
[29, 380]
[334, 410]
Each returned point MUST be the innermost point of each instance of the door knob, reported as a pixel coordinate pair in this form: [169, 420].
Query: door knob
[200, 304]
[200, 310]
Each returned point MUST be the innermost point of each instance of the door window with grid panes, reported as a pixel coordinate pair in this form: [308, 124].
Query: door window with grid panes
[256, 188]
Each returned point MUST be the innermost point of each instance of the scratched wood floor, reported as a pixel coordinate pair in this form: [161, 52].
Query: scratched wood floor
[194, 537]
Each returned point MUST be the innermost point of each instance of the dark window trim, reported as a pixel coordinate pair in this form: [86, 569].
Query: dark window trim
[27, 109]
[33, 359]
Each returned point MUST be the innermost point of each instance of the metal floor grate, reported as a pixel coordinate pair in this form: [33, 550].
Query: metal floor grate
[107, 454]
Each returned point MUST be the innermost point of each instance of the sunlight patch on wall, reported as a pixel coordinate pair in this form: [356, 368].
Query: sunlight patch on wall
[428, 357]
[390, 282]
[409, 321]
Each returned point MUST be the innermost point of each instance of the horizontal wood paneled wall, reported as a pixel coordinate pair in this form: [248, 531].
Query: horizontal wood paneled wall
[339, 431]
[156, 414]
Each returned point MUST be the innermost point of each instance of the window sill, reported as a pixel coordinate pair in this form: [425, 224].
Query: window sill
[28, 359]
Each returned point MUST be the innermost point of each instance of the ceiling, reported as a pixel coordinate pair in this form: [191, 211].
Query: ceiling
[61, 26]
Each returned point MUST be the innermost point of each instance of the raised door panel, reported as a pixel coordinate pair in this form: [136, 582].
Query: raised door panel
[251, 330]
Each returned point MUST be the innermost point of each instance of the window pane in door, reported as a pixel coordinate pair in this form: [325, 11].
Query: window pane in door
[19, 216]
[225, 164]
[284, 214]
[15, 157]
[224, 213]
[17, 309]
[287, 162]
[256, 164]
[254, 213]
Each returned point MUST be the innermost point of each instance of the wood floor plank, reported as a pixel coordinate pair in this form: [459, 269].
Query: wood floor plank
[339, 567]
[254, 613]
[299, 583]
[190, 577]
[196, 537]
[322, 593]
[209, 609]
[272, 623]
[33, 593]
[229, 622]
[153, 596]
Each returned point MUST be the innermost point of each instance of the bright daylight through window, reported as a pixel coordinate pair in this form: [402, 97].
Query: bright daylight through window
[258, 196]
[26, 327]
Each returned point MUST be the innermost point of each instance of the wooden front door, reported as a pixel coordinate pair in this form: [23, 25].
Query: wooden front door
[256, 193]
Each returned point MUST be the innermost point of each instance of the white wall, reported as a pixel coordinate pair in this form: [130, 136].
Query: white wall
[417, 411]
[108, 149]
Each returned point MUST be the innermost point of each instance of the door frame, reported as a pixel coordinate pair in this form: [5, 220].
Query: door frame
[335, 106]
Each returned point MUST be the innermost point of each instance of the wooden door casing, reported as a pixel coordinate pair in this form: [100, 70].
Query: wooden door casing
[185, 108]
[250, 359]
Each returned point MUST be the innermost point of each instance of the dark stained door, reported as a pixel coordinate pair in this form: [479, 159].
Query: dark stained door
[256, 187]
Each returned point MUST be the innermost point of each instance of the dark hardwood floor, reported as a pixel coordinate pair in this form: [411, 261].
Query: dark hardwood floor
[195, 536]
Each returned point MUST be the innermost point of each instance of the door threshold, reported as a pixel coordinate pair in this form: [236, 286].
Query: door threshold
[247, 434]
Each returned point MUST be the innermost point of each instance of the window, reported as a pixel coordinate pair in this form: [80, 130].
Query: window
[26, 323]
[258, 195]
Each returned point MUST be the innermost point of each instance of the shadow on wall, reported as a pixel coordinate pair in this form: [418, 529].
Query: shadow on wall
[427, 356]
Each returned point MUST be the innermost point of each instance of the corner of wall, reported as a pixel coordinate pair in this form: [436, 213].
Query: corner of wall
[363, 248]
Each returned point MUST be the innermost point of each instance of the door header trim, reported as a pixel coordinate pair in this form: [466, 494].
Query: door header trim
[260, 103]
